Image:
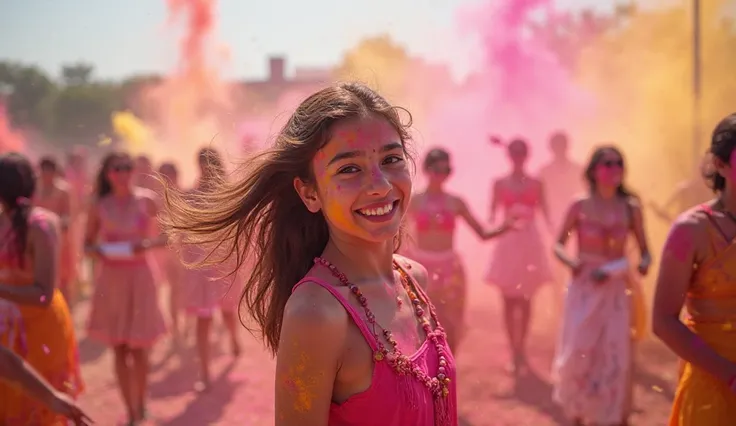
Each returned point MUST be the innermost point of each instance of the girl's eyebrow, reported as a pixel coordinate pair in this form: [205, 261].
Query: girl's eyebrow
[353, 154]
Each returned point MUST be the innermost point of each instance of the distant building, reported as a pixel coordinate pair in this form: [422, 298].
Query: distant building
[260, 95]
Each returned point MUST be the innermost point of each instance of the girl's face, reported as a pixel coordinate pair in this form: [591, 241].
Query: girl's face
[119, 172]
[362, 178]
[610, 170]
[438, 172]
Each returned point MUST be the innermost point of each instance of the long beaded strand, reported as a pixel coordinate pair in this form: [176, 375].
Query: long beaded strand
[400, 363]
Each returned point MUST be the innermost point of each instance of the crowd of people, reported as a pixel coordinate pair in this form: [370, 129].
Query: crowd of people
[353, 277]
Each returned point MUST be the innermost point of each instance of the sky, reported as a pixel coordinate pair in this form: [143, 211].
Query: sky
[126, 37]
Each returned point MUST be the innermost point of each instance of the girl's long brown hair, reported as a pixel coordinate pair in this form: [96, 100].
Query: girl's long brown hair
[261, 217]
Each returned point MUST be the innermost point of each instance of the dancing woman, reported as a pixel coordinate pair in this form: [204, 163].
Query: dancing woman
[29, 275]
[357, 341]
[593, 364]
[519, 265]
[433, 214]
[54, 195]
[125, 311]
[699, 271]
[207, 290]
[167, 259]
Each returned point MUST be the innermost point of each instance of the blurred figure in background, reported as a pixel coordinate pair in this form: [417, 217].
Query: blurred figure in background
[53, 194]
[520, 263]
[594, 358]
[206, 290]
[168, 260]
[563, 180]
[77, 178]
[125, 312]
[689, 193]
[433, 214]
[143, 173]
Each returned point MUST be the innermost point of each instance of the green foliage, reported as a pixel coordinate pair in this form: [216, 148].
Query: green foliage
[76, 109]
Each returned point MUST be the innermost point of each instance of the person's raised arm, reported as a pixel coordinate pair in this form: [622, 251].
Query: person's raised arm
[313, 334]
[43, 238]
[673, 282]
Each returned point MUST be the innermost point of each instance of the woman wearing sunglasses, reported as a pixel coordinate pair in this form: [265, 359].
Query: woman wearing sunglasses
[433, 214]
[593, 364]
[121, 227]
[519, 265]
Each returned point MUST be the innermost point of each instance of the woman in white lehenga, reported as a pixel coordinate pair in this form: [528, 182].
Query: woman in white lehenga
[593, 364]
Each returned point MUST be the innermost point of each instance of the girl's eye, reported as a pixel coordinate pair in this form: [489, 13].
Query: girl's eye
[348, 169]
[393, 159]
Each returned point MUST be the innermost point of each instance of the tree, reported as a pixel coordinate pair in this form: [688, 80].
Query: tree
[27, 92]
[379, 62]
[83, 112]
[77, 74]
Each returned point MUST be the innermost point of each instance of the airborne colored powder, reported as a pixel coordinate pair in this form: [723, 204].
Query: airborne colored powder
[622, 77]
[519, 89]
[10, 139]
[133, 132]
[192, 107]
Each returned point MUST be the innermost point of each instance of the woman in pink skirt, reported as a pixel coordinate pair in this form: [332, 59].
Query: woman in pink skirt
[520, 264]
[210, 289]
[168, 261]
[121, 227]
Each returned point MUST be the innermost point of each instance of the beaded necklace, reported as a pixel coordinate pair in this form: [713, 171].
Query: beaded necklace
[400, 363]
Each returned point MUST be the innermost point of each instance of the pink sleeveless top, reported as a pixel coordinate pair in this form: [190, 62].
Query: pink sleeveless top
[392, 400]
[114, 230]
[426, 217]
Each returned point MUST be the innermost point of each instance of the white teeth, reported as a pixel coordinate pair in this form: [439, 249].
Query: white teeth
[380, 211]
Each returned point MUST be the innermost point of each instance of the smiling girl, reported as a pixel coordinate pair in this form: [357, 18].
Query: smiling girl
[356, 339]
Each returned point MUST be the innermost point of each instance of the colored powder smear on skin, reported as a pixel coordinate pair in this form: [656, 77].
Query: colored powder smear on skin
[301, 385]
[10, 138]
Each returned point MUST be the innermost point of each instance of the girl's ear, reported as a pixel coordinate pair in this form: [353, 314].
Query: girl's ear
[308, 193]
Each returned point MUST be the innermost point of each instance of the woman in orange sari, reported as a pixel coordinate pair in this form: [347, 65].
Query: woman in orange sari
[699, 271]
[29, 265]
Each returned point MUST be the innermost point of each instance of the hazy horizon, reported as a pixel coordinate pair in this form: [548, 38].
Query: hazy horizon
[128, 38]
